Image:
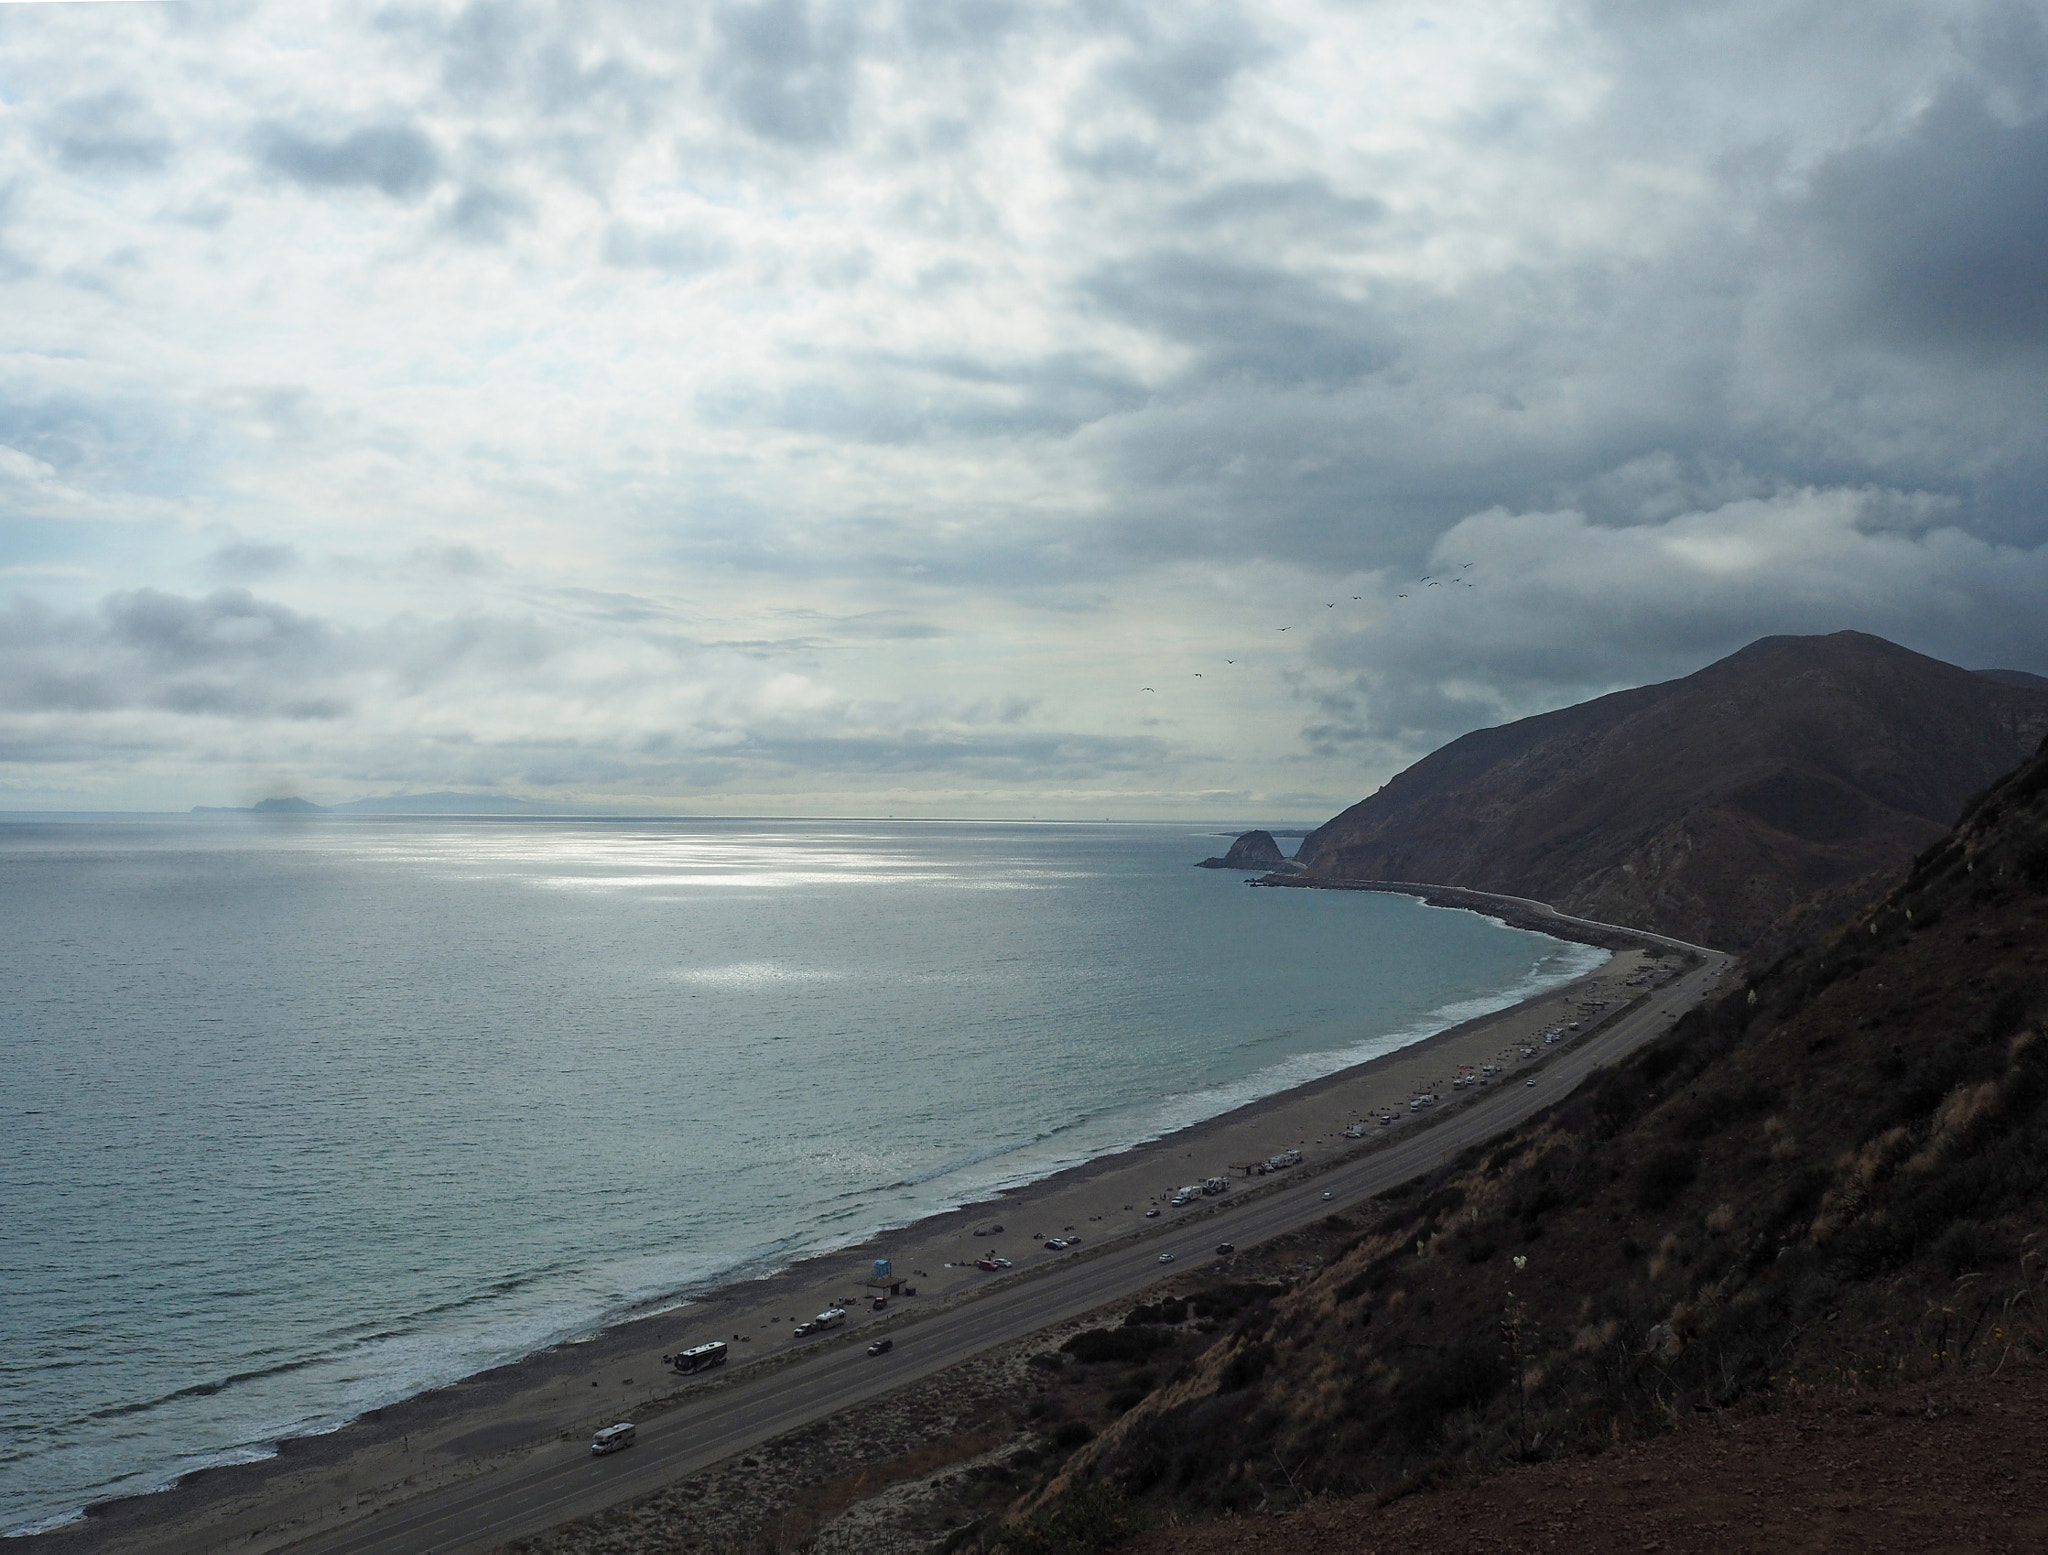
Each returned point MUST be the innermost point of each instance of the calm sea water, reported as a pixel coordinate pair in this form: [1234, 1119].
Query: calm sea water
[297, 1119]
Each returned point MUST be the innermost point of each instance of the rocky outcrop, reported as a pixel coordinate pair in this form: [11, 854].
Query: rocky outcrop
[1255, 850]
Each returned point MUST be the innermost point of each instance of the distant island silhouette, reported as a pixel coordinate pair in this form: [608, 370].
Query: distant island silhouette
[443, 803]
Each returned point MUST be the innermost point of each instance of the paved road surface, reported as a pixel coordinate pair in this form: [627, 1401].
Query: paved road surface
[562, 1481]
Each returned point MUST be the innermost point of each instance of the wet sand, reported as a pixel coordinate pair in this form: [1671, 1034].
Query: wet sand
[457, 1432]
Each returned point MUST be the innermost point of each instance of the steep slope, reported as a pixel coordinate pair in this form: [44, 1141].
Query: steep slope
[1836, 1175]
[1708, 807]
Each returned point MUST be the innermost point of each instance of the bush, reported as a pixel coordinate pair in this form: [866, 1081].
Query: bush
[1095, 1346]
[1663, 1178]
[1233, 1297]
[1963, 1248]
[1465, 1378]
[1245, 1368]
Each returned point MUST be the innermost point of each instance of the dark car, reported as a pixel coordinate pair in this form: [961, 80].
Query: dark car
[1226, 1247]
[881, 1347]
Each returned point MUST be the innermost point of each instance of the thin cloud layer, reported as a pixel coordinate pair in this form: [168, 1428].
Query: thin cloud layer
[794, 404]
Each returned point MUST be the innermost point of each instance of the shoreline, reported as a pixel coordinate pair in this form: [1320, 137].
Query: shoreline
[465, 1424]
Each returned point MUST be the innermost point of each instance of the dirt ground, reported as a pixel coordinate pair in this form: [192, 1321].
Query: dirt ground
[1953, 1464]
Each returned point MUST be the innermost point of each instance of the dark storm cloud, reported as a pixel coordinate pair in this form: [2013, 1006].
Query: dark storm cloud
[1298, 206]
[228, 626]
[111, 132]
[1944, 232]
[1241, 317]
[1186, 79]
[785, 69]
[250, 559]
[963, 24]
[481, 214]
[396, 159]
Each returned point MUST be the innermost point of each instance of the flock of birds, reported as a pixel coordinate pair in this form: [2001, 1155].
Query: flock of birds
[1430, 580]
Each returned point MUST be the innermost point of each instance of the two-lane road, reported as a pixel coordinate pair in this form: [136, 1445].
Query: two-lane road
[562, 1481]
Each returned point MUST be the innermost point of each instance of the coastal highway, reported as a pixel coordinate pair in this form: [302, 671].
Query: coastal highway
[562, 1481]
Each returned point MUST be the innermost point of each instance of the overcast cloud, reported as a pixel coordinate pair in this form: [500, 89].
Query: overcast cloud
[803, 406]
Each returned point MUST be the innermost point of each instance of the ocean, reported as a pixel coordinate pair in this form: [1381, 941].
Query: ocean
[302, 1117]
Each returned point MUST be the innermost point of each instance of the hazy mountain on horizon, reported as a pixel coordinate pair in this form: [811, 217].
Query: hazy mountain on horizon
[1710, 807]
[441, 803]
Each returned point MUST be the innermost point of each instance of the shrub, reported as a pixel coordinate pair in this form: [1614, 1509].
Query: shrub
[1245, 1368]
[1095, 1346]
[1964, 1247]
[1664, 1176]
[1465, 1378]
[1233, 1296]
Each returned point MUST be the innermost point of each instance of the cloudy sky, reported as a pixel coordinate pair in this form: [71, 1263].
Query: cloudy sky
[826, 407]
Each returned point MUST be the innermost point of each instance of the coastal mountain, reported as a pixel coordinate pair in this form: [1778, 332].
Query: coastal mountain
[1718, 807]
[1831, 1184]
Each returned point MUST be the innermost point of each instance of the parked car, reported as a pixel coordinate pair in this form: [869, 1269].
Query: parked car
[1056, 1243]
[881, 1347]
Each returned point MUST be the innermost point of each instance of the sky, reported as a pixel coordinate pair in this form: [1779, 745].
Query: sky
[985, 408]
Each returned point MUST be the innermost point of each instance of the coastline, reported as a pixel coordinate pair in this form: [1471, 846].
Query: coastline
[457, 1430]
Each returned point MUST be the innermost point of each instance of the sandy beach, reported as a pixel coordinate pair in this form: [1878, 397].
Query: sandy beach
[455, 1432]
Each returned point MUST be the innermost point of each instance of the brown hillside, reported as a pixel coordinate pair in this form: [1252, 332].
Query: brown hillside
[1951, 1465]
[1709, 807]
[1834, 1179]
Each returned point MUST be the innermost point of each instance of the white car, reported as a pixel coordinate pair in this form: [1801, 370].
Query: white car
[1054, 1242]
[1166, 1258]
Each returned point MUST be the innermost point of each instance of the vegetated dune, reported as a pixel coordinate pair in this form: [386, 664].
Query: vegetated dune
[1835, 1177]
[1710, 807]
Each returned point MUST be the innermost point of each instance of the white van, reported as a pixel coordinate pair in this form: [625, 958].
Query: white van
[612, 1438]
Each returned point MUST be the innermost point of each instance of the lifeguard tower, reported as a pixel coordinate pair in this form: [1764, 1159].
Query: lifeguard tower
[884, 1281]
